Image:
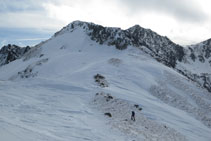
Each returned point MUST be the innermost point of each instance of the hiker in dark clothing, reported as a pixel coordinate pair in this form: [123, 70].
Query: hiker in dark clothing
[133, 116]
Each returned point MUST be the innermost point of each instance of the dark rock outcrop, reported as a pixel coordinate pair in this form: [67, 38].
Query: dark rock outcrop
[100, 80]
[10, 53]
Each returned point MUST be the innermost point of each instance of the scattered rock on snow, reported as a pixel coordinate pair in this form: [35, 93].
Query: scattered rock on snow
[136, 105]
[108, 114]
[63, 47]
[100, 80]
[28, 71]
[141, 128]
[115, 61]
[41, 55]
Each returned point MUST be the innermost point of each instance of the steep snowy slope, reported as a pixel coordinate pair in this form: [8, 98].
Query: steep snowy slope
[51, 93]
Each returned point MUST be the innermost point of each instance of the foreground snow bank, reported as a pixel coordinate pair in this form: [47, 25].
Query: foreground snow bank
[142, 129]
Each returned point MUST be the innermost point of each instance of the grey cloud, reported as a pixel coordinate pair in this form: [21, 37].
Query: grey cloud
[184, 10]
[33, 5]
[20, 5]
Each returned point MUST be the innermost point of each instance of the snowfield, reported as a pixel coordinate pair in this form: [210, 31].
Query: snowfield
[51, 95]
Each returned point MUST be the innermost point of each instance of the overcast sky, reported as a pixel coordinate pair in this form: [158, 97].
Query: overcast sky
[31, 21]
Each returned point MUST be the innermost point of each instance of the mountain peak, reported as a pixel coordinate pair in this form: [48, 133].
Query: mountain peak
[135, 27]
[71, 26]
[136, 35]
[78, 23]
[87, 26]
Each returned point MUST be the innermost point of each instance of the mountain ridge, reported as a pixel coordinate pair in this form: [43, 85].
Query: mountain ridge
[161, 48]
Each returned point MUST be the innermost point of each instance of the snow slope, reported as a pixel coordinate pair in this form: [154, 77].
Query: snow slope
[50, 94]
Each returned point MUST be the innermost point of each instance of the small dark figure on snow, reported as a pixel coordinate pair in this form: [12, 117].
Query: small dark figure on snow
[133, 116]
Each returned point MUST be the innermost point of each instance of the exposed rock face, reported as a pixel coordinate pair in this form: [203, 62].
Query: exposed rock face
[197, 64]
[10, 53]
[201, 51]
[206, 78]
[161, 48]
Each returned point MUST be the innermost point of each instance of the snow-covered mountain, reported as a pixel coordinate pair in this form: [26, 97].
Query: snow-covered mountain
[161, 48]
[83, 83]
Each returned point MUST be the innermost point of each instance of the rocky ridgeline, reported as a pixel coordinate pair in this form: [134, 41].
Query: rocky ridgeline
[201, 51]
[10, 53]
[159, 47]
[197, 55]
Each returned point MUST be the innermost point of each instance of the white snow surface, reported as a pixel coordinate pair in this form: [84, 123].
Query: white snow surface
[51, 95]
